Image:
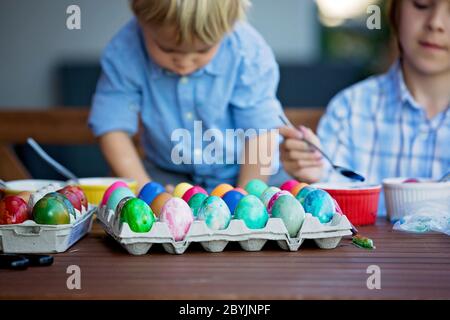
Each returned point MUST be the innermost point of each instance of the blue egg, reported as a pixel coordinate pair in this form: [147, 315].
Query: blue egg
[303, 193]
[320, 204]
[150, 191]
[232, 198]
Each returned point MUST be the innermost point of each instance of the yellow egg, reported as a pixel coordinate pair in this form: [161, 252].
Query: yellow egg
[221, 189]
[180, 189]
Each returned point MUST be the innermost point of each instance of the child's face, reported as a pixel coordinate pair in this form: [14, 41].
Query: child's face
[424, 35]
[182, 59]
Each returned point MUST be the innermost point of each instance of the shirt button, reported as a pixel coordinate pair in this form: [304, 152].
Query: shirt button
[184, 80]
[189, 115]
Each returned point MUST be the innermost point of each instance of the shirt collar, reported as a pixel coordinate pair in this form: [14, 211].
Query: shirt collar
[405, 95]
[217, 66]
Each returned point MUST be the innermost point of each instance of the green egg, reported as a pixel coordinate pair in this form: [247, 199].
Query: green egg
[138, 215]
[64, 199]
[51, 210]
[289, 210]
[195, 202]
[252, 211]
[256, 187]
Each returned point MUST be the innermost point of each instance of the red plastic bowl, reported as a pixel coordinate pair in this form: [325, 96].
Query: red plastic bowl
[358, 202]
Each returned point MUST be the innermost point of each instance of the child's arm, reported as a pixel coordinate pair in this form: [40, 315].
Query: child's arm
[260, 148]
[122, 156]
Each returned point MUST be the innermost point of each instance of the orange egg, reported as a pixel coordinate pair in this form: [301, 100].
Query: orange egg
[159, 202]
[221, 189]
[297, 188]
[25, 195]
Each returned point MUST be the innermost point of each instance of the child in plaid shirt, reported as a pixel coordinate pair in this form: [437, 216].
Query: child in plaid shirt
[393, 125]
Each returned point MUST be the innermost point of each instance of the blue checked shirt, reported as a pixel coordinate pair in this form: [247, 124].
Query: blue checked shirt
[376, 128]
[236, 90]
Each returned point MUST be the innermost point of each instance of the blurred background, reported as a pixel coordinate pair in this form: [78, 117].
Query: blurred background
[322, 46]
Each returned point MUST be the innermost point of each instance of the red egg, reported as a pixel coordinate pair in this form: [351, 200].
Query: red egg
[72, 197]
[194, 190]
[288, 185]
[79, 192]
[13, 210]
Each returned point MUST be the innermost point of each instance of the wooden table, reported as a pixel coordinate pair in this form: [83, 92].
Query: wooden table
[412, 266]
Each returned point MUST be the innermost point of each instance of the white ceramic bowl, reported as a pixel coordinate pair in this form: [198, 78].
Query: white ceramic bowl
[31, 185]
[397, 194]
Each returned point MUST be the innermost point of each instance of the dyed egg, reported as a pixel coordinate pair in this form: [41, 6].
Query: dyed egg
[252, 211]
[80, 193]
[214, 211]
[411, 180]
[110, 190]
[196, 201]
[178, 216]
[303, 193]
[241, 191]
[72, 197]
[194, 190]
[138, 215]
[291, 212]
[180, 189]
[275, 198]
[320, 204]
[268, 194]
[221, 189]
[256, 187]
[232, 198]
[64, 199]
[289, 185]
[118, 195]
[51, 210]
[295, 190]
[13, 209]
[159, 202]
[149, 192]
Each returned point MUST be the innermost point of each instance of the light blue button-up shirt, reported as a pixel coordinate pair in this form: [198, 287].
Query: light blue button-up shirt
[377, 128]
[235, 90]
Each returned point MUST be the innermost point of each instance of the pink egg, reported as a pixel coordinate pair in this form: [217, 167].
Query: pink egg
[241, 191]
[288, 185]
[110, 190]
[275, 198]
[178, 216]
[194, 190]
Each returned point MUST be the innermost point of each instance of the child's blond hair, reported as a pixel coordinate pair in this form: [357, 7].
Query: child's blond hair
[205, 20]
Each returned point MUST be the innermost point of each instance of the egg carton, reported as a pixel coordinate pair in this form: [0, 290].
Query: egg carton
[30, 237]
[326, 236]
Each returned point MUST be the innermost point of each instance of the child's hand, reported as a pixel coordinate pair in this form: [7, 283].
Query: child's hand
[300, 160]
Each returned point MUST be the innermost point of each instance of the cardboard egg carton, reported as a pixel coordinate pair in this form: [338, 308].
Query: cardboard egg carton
[30, 237]
[326, 236]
